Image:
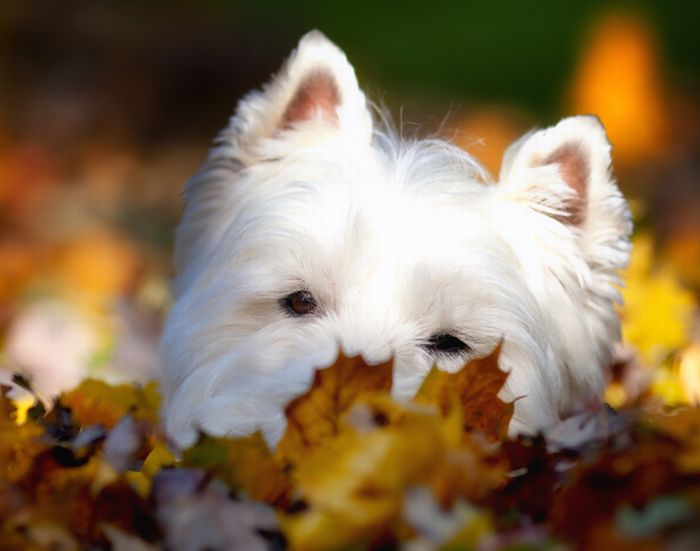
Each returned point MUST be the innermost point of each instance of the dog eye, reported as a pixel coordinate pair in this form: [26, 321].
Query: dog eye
[445, 343]
[300, 303]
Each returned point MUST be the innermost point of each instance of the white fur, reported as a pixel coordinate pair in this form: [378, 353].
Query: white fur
[398, 240]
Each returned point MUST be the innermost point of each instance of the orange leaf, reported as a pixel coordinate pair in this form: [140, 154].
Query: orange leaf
[474, 391]
[314, 416]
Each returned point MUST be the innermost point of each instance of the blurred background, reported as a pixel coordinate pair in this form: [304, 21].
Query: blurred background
[107, 107]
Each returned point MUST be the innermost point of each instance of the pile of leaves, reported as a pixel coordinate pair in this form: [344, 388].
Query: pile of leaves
[355, 469]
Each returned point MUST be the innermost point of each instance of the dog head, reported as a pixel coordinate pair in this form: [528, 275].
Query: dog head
[312, 228]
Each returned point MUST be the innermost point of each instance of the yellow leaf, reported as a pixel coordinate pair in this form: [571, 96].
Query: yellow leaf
[657, 311]
[354, 483]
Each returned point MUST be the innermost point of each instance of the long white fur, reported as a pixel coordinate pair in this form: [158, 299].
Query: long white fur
[398, 240]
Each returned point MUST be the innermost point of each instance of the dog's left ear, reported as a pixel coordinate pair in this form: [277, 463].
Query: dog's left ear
[563, 172]
[314, 96]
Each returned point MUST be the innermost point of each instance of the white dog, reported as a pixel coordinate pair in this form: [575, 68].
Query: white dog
[311, 228]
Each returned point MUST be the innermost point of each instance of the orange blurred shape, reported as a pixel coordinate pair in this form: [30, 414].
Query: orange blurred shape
[619, 80]
[487, 133]
[98, 265]
[26, 172]
[18, 263]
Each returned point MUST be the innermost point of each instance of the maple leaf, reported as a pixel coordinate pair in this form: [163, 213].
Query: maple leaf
[473, 391]
[315, 416]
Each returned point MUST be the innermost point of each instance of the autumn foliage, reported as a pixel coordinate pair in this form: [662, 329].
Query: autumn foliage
[355, 469]
[91, 161]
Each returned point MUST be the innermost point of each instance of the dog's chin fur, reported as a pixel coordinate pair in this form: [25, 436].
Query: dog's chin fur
[397, 240]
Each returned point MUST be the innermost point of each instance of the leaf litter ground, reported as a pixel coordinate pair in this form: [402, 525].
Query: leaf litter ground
[355, 469]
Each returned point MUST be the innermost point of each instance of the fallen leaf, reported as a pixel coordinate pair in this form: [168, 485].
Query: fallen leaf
[315, 416]
[474, 391]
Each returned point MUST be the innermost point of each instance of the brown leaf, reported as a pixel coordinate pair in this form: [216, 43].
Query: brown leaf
[314, 416]
[474, 391]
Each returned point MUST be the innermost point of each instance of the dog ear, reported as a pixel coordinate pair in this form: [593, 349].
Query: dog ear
[315, 94]
[569, 225]
[564, 172]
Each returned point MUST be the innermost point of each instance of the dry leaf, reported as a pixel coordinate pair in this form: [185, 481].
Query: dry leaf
[315, 416]
[474, 391]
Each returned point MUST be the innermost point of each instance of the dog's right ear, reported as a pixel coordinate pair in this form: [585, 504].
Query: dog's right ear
[315, 96]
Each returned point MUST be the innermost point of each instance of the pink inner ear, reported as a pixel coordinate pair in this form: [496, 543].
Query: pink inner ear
[317, 94]
[574, 168]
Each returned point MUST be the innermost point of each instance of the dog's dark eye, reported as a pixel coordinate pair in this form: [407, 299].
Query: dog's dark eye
[300, 303]
[445, 343]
